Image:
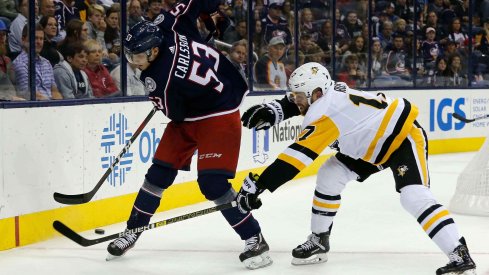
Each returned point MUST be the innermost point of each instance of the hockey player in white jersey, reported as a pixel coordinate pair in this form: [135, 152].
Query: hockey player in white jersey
[371, 132]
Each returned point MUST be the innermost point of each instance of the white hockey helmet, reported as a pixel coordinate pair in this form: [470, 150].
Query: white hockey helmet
[308, 78]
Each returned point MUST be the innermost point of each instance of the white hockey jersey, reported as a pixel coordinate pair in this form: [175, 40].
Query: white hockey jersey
[366, 126]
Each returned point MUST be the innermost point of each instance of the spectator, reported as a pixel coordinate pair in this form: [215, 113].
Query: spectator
[353, 24]
[7, 89]
[274, 25]
[237, 55]
[8, 10]
[404, 11]
[400, 27]
[351, 74]
[15, 35]
[359, 48]
[47, 8]
[432, 21]
[457, 74]
[102, 83]
[452, 48]
[269, 70]
[49, 48]
[65, 11]
[96, 25]
[76, 32]
[484, 41]
[377, 57]
[440, 76]
[431, 49]
[45, 85]
[239, 12]
[390, 12]
[308, 24]
[456, 34]
[69, 75]
[112, 35]
[153, 10]
[238, 32]
[134, 85]
[135, 13]
[395, 63]
[386, 34]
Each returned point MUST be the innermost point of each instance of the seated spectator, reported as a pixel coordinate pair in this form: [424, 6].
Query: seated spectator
[236, 33]
[112, 35]
[135, 13]
[432, 21]
[8, 10]
[47, 9]
[308, 24]
[269, 70]
[386, 34]
[451, 48]
[7, 89]
[274, 24]
[352, 24]
[134, 85]
[69, 75]
[76, 32]
[237, 55]
[16, 27]
[359, 48]
[239, 11]
[377, 58]
[457, 73]
[96, 24]
[395, 63]
[400, 27]
[49, 48]
[431, 49]
[456, 34]
[351, 74]
[153, 10]
[45, 85]
[102, 83]
[440, 76]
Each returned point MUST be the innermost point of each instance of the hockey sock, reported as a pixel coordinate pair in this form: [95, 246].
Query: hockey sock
[324, 208]
[434, 218]
[147, 201]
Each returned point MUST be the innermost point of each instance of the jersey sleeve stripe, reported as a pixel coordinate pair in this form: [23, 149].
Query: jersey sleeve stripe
[401, 130]
[304, 150]
[381, 130]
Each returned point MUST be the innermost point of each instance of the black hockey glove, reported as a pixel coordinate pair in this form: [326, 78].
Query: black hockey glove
[263, 116]
[247, 197]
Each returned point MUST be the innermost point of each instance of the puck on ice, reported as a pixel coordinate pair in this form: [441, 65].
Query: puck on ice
[99, 231]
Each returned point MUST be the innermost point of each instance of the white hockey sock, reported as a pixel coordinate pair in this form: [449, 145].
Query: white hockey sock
[324, 208]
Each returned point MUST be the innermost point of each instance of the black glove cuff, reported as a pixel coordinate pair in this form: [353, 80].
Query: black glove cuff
[277, 110]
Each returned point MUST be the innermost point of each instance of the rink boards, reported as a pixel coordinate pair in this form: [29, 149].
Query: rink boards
[67, 149]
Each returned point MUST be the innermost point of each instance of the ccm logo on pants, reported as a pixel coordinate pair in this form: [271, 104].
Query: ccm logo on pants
[210, 155]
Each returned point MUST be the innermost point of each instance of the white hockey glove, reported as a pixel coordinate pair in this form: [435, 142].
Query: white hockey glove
[247, 197]
[263, 116]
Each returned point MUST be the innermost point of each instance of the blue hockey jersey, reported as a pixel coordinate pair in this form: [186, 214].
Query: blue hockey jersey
[190, 80]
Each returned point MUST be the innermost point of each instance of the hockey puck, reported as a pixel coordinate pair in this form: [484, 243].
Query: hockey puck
[100, 231]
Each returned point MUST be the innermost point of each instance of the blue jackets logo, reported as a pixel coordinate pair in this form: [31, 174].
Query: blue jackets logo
[115, 135]
[441, 114]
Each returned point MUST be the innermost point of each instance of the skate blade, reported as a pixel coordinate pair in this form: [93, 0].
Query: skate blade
[314, 259]
[466, 272]
[111, 257]
[259, 261]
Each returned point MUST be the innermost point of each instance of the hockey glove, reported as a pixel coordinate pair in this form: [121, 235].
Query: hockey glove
[247, 197]
[264, 116]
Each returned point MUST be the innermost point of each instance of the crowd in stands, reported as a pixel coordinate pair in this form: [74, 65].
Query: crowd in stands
[426, 42]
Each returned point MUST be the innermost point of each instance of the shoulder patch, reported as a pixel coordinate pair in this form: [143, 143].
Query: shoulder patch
[159, 19]
[149, 84]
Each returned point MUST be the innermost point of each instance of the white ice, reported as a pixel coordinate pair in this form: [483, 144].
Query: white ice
[372, 234]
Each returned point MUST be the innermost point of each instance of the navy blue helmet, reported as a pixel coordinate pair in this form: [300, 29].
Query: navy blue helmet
[142, 37]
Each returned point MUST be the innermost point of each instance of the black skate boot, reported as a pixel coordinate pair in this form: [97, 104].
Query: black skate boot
[460, 261]
[313, 251]
[121, 245]
[255, 254]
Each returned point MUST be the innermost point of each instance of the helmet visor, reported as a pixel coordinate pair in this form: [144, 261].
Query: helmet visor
[136, 58]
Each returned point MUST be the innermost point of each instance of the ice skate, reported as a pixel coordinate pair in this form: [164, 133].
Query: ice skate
[255, 254]
[121, 245]
[460, 262]
[313, 251]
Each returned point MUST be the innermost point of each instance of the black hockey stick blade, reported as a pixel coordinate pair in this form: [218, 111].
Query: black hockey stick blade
[86, 197]
[79, 239]
[468, 120]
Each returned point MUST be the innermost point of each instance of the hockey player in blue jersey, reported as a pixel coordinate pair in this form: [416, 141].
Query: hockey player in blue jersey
[200, 91]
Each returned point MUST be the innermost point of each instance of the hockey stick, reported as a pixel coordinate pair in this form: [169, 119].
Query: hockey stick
[468, 120]
[77, 238]
[86, 197]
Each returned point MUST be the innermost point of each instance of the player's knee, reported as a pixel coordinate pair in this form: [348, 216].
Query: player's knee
[227, 197]
[416, 198]
[333, 176]
[159, 176]
[213, 186]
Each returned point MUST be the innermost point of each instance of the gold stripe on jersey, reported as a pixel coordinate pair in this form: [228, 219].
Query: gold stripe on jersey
[420, 141]
[312, 140]
[381, 130]
[406, 128]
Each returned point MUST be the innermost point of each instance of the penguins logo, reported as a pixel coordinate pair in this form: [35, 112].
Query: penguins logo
[401, 170]
[314, 70]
